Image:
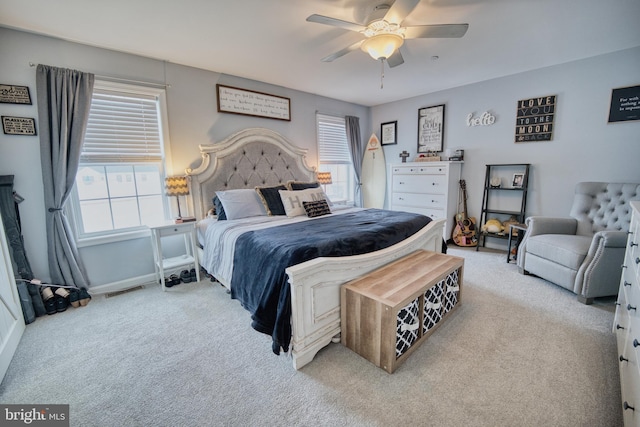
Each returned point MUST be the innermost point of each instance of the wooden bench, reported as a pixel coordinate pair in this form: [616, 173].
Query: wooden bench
[389, 312]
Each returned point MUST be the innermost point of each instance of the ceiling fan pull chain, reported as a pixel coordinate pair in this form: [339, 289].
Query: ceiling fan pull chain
[381, 73]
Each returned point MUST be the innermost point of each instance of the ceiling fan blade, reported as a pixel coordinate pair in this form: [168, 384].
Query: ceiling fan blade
[342, 52]
[321, 19]
[436, 31]
[399, 10]
[395, 59]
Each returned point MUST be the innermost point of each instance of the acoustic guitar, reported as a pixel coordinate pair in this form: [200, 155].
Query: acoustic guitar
[464, 233]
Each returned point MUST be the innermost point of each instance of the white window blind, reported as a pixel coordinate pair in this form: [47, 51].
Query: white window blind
[122, 128]
[332, 140]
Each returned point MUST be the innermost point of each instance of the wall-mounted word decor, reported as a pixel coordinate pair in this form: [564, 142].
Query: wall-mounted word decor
[251, 103]
[625, 104]
[485, 119]
[430, 129]
[18, 125]
[534, 119]
[10, 94]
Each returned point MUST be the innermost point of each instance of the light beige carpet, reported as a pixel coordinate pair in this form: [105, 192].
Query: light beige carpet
[518, 352]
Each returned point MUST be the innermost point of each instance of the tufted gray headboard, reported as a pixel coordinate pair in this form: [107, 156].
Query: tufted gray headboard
[247, 159]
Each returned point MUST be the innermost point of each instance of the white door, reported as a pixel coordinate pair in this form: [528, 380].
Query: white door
[11, 319]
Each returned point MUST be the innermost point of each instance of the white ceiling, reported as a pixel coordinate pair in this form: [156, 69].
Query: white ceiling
[270, 40]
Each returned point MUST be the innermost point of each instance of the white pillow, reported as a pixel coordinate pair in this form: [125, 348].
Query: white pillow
[292, 200]
[241, 203]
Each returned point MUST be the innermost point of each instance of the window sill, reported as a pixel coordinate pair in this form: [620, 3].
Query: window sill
[114, 237]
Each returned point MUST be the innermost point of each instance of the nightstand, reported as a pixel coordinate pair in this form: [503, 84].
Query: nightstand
[188, 260]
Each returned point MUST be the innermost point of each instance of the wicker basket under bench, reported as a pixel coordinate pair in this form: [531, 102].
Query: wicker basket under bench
[388, 313]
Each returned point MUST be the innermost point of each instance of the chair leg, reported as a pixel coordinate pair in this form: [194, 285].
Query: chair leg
[585, 300]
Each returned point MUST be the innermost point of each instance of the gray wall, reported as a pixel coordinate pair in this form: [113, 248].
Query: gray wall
[193, 120]
[584, 146]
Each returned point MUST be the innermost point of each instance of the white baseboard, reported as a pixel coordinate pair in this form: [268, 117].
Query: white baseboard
[123, 285]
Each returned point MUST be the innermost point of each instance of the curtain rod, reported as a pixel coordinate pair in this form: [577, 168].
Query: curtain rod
[120, 79]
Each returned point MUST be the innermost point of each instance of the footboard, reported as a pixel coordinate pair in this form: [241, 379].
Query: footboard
[315, 289]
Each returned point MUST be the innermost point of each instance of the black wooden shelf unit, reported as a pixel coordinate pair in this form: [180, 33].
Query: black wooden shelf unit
[516, 195]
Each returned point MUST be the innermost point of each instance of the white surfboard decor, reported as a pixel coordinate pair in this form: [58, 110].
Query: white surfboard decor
[374, 174]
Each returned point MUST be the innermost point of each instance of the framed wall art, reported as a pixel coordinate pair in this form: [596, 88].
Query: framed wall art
[625, 104]
[430, 129]
[18, 125]
[534, 119]
[251, 103]
[388, 133]
[10, 94]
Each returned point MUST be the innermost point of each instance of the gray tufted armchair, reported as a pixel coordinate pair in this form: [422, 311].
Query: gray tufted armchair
[583, 253]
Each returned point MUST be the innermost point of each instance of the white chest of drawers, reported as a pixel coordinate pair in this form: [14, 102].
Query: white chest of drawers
[428, 188]
[626, 324]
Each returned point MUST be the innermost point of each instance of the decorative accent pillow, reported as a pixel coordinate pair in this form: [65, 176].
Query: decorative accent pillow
[271, 199]
[217, 204]
[292, 200]
[241, 203]
[317, 208]
[297, 185]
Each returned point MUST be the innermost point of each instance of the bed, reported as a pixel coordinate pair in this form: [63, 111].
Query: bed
[259, 157]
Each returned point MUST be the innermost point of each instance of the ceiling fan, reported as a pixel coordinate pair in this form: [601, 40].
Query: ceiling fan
[384, 33]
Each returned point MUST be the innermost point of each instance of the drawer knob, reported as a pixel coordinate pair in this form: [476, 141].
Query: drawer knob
[630, 307]
[635, 342]
[627, 283]
[626, 406]
[633, 244]
[401, 182]
[637, 260]
[622, 359]
[619, 327]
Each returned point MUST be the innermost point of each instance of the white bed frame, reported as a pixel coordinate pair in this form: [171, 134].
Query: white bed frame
[264, 157]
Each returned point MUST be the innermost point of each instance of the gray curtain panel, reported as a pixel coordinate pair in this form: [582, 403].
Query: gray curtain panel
[64, 100]
[352, 125]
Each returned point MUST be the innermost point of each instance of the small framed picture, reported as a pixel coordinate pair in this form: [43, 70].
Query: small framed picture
[388, 133]
[518, 180]
[18, 125]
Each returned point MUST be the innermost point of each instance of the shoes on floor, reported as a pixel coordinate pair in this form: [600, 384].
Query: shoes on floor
[74, 298]
[192, 273]
[175, 279]
[47, 294]
[61, 304]
[50, 306]
[62, 292]
[84, 298]
[167, 282]
[185, 276]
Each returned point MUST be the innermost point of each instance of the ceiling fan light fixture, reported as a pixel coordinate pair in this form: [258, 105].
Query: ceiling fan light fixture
[382, 46]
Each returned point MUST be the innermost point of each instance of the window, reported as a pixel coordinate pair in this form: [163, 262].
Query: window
[335, 157]
[119, 185]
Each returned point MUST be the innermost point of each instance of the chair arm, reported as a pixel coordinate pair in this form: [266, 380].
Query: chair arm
[550, 225]
[612, 239]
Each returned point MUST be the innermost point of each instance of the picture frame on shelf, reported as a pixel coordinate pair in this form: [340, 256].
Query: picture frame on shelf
[518, 180]
[388, 133]
[430, 129]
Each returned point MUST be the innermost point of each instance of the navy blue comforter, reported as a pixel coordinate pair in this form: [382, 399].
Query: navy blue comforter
[259, 281]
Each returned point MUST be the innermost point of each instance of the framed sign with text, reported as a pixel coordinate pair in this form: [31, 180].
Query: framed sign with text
[388, 132]
[18, 125]
[430, 129]
[625, 104]
[251, 103]
[534, 119]
[10, 94]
